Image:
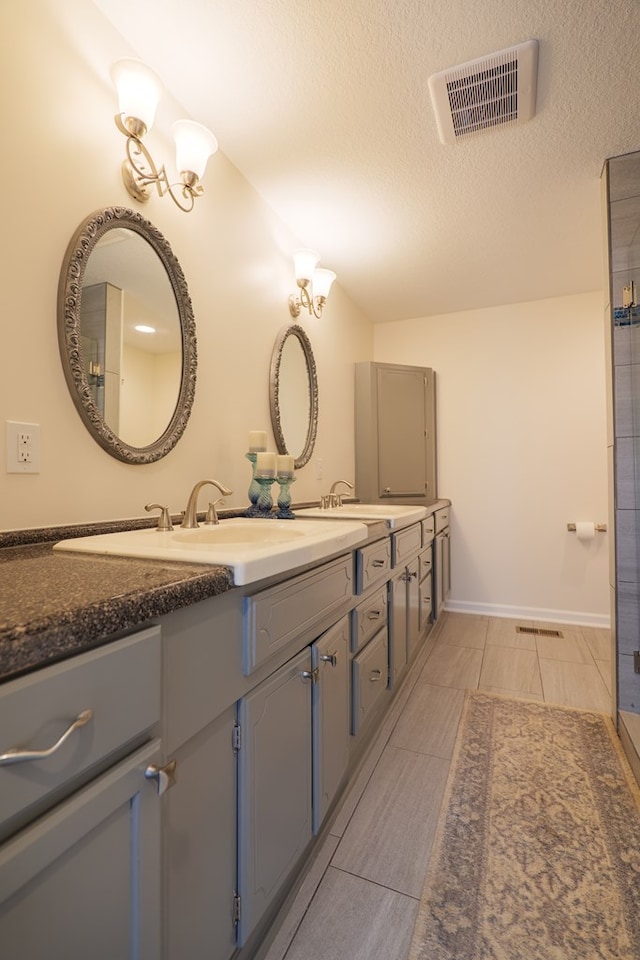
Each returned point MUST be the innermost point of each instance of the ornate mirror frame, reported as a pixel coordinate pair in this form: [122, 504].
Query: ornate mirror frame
[294, 330]
[78, 252]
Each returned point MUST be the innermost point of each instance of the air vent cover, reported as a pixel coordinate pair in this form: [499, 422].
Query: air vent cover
[485, 93]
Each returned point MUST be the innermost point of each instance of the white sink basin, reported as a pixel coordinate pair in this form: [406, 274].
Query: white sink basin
[254, 549]
[394, 515]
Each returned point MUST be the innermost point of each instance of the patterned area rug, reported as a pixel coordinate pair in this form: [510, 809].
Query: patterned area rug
[538, 849]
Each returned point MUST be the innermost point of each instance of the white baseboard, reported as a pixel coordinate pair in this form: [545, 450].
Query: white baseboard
[529, 613]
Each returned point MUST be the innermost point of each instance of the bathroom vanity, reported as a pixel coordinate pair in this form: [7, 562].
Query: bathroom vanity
[224, 726]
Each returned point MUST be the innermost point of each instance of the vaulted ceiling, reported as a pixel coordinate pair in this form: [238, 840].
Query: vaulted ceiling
[324, 106]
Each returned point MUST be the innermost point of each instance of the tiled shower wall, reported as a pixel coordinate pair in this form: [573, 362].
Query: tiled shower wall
[624, 270]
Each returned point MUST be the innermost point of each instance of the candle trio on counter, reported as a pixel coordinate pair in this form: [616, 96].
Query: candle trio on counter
[269, 467]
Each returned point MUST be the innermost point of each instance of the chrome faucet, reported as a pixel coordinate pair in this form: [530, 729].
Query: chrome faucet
[190, 519]
[333, 499]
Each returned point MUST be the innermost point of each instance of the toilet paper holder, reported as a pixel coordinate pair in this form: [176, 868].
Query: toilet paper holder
[599, 527]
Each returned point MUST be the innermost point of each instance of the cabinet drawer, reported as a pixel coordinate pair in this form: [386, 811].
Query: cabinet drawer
[119, 683]
[368, 617]
[442, 519]
[294, 609]
[373, 563]
[426, 563]
[406, 544]
[370, 677]
[428, 529]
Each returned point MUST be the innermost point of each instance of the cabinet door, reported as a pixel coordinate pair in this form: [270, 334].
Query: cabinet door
[398, 628]
[200, 845]
[275, 822]
[402, 431]
[84, 880]
[413, 607]
[330, 717]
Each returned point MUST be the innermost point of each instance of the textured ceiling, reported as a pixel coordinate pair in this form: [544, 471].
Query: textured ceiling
[323, 105]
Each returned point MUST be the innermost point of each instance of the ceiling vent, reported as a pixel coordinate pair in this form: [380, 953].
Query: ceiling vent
[485, 93]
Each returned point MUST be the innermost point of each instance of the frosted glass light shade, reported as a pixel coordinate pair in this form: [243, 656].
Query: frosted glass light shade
[322, 280]
[305, 262]
[194, 145]
[139, 90]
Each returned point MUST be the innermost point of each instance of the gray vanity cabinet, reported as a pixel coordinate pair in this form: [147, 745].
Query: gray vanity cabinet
[274, 785]
[330, 659]
[395, 433]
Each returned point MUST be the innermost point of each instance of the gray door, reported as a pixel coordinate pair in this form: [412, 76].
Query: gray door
[84, 880]
[200, 845]
[274, 787]
[402, 427]
[330, 654]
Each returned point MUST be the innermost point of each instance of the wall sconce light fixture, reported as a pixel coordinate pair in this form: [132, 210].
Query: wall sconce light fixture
[314, 283]
[139, 92]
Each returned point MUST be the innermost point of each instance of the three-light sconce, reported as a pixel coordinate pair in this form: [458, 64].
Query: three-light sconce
[139, 91]
[314, 283]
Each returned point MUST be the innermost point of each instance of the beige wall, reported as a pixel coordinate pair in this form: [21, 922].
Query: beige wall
[522, 451]
[60, 162]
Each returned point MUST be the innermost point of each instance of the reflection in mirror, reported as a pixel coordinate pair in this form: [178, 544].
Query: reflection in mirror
[127, 335]
[294, 394]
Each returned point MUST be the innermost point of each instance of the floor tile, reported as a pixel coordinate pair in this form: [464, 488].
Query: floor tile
[303, 898]
[354, 793]
[390, 835]
[502, 633]
[509, 669]
[570, 647]
[450, 666]
[354, 919]
[429, 722]
[462, 630]
[574, 685]
[598, 642]
[604, 669]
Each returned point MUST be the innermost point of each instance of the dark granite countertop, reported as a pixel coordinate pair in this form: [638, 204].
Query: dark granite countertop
[54, 605]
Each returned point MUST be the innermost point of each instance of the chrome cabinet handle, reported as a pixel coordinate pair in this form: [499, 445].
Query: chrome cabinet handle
[375, 675]
[374, 614]
[331, 658]
[165, 777]
[19, 755]
[310, 675]
[379, 563]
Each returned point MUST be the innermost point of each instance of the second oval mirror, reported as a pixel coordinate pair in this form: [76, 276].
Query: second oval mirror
[294, 394]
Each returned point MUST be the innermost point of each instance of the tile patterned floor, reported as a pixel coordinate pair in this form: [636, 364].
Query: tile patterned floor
[360, 897]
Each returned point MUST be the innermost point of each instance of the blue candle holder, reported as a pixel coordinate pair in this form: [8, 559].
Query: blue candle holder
[254, 488]
[284, 511]
[265, 501]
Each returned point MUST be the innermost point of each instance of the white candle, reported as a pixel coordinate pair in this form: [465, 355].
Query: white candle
[265, 464]
[284, 465]
[257, 440]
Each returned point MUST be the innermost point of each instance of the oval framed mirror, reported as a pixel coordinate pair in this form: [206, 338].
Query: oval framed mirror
[126, 333]
[293, 394]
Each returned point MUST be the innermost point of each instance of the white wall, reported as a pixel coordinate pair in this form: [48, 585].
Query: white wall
[60, 162]
[522, 451]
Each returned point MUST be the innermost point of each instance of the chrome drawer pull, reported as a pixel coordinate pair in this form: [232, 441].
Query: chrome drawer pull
[374, 614]
[375, 676]
[310, 675]
[165, 777]
[379, 563]
[331, 658]
[18, 755]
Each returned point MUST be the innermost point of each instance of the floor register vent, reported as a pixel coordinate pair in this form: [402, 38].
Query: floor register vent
[537, 632]
[485, 93]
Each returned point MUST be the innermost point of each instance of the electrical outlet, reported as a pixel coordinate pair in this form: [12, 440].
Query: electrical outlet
[23, 447]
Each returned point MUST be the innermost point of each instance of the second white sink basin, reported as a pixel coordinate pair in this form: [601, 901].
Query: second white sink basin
[395, 515]
[254, 549]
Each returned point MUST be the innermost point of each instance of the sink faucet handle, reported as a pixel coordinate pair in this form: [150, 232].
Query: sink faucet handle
[164, 520]
[212, 515]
